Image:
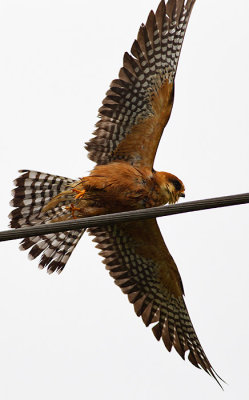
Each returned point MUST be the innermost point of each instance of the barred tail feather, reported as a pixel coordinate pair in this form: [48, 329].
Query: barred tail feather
[34, 190]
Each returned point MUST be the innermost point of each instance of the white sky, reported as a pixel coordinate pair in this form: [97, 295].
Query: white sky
[76, 335]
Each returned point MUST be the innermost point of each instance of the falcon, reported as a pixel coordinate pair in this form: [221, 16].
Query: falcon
[131, 121]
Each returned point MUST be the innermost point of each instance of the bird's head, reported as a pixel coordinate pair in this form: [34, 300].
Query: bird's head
[171, 187]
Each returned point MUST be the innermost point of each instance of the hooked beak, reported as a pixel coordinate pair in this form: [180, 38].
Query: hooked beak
[182, 195]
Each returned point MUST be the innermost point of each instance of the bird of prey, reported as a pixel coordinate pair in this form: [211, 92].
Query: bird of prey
[131, 121]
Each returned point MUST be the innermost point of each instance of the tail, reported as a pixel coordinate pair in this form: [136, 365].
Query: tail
[34, 190]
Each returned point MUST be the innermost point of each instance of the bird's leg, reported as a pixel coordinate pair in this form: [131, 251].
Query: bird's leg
[80, 193]
[72, 208]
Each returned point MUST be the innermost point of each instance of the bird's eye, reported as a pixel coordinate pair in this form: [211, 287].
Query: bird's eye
[176, 184]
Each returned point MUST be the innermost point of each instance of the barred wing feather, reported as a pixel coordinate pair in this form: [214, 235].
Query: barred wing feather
[138, 104]
[137, 258]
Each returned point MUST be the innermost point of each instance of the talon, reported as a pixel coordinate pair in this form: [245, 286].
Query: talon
[72, 208]
[80, 193]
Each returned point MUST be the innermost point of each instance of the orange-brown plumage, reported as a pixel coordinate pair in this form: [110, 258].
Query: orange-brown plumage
[142, 142]
[132, 119]
[119, 186]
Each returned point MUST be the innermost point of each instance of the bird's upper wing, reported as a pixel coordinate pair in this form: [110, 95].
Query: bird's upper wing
[138, 104]
[139, 261]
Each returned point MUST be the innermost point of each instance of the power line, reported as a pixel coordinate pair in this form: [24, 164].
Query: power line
[77, 224]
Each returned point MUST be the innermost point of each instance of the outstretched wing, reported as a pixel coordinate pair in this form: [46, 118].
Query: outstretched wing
[138, 104]
[139, 261]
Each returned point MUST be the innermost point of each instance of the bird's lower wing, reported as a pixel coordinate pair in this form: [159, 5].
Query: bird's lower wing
[137, 258]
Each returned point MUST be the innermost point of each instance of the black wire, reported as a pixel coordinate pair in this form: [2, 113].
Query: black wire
[77, 224]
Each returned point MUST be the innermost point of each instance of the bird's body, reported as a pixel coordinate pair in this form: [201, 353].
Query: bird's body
[132, 118]
[116, 187]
